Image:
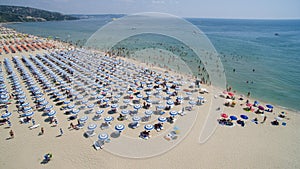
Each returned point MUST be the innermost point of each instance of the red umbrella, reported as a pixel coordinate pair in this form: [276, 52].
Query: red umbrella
[249, 105]
[224, 115]
[230, 94]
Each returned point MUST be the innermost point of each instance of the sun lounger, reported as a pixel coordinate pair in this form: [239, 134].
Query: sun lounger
[34, 126]
[89, 133]
[104, 126]
[98, 144]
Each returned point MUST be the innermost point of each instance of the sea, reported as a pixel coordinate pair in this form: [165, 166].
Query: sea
[259, 56]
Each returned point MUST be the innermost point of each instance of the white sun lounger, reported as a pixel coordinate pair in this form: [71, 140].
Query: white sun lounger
[98, 144]
[34, 126]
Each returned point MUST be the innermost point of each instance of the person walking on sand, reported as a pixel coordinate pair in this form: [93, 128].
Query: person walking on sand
[61, 131]
[265, 118]
[11, 133]
[42, 130]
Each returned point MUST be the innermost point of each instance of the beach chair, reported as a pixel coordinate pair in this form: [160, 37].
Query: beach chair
[97, 117]
[104, 126]
[34, 126]
[89, 133]
[98, 144]
[134, 125]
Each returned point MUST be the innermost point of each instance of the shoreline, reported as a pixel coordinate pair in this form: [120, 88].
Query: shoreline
[230, 146]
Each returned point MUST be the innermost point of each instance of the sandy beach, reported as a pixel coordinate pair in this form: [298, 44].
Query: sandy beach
[260, 145]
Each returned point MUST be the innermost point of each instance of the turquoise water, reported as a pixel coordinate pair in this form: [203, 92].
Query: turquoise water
[244, 45]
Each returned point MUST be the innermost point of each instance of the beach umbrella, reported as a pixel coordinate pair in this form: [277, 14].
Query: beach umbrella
[100, 112]
[139, 96]
[136, 118]
[117, 96]
[256, 102]
[244, 117]
[125, 112]
[67, 101]
[83, 119]
[129, 92]
[5, 115]
[177, 88]
[25, 104]
[91, 106]
[269, 106]
[148, 94]
[108, 119]
[100, 97]
[126, 101]
[192, 103]
[233, 117]
[44, 103]
[103, 136]
[188, 93]
[173, 113]
[70, 106]
[162, 119]
[114, 106]
[92, 127]
[148, 127]
[84, 101]
[200, 98]
[48, 107]
[29, 114]
[106, 100]
[148, 112]
[51, 113]
[120, 127]
[230, 94]
[27, 109]
[224, 115]
[261, 108]
[137, 106]
[170, 102]
[249, 105]
[75, 111]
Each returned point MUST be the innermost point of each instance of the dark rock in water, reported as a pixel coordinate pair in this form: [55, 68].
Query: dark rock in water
[276, 34]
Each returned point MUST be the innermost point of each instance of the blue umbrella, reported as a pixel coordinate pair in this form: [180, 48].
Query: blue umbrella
[233, 117]
[25, 104]
[162, 119]
[114, 106]
[129, 92]
[51, 113]
[170, 102]
[160, 107]
[92, 127]
[103, 136]
[244, 117]
[91, 106]
[27, 109]
[137, 106]
[70, 106]
[100, 112]
[136, 118]
[269, 106]
[108, 119]
[173, 113]
[83, 119]
[192, 103]
[200, 97]
[148, 112]
[29, 114]
[177, 88]
[49, 107]
[75, 111]
[5, 115]
[84, 101]
[139, 96]
[120, 127]
[100, 97]
[125, 112]
[148, 93]
[126, 101]
[44, 103]
[106, 100]
[67, 101]
[148, 127]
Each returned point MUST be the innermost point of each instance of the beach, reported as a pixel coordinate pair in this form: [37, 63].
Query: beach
[261, 145]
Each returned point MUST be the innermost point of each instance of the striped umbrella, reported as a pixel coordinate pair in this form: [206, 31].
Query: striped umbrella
[51, 113]
[162, 119]
[83, 119]
[120, 127]
[92, 127]
[148, 113]
[100, 112]
[170, 102]
[103, 136]
[136, 118]
[5, 115]
[75, 111]
[173, 113]
[148, 127]
[108, 119]
[48, 107]
[125, 112]
[137, 106]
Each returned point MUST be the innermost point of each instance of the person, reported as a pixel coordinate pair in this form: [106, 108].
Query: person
[248, 94]
[42, 130]
[11, 133]
[72, 125]
[9, 123]
[265, 118]
[33, 122]
[61, 131]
